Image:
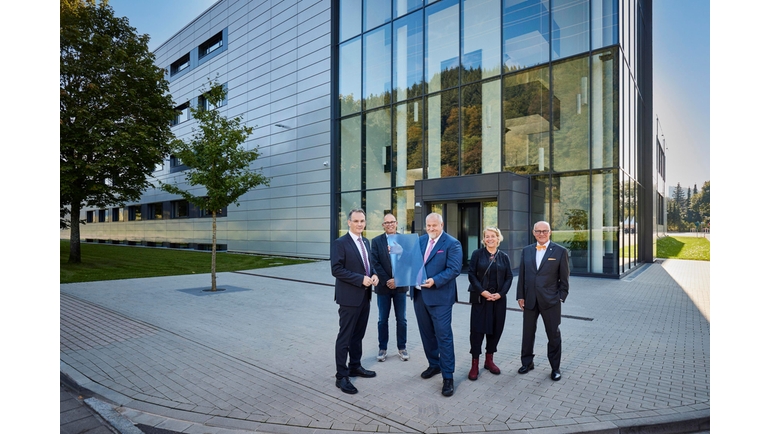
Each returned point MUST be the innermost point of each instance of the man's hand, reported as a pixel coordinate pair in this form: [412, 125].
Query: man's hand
[391, 284]
[521, 302]
[428, 283]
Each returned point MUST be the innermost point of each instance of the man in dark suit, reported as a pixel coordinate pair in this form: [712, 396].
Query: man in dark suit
[388, 293]
[542, 287]
[351, 262]
[434, 297]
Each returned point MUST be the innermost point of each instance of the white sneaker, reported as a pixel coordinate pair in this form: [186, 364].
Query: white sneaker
[381, 356]
[404, 355]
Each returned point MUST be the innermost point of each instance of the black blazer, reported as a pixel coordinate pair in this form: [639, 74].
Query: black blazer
[477, 266]
[381, 261]
[348, 270]
[548, 284]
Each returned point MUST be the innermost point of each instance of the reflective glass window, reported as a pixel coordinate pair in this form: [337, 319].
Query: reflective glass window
[604, 103]
[377, 67]
[570, 81]
[442, 45]
[481, 129]
[604, 223]
[570, 217]
[604, 23]
[378, 203]
[349, 80]
[408, 57]
[403, 7]
[376, 12]
[481, 33]
[350, 18]
[378, 152]
[540, 199]
[570, 27]
[348, 201]
[525, 33]
[442, 135]
[350, 154]
[408, 142]
[526, 121]
[404, 211]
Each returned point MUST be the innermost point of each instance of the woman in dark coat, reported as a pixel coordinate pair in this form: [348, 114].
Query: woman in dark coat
[490, 278]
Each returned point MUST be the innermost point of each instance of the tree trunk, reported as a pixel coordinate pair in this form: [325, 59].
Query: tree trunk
[214, 250]
[74, 234]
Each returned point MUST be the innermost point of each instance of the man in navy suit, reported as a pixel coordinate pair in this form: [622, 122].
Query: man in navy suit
[351, 262]
[433, 298]
[541, 289]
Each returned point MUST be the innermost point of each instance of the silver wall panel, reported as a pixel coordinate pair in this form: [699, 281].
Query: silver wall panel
[277, 68]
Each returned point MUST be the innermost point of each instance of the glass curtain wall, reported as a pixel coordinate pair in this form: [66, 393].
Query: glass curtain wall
[541, 88]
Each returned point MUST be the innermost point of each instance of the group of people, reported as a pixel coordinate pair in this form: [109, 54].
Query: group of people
[359, 266]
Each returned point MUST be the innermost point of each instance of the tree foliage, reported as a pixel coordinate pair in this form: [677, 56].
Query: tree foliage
[115, 112]
[688, 210]
[216, 161]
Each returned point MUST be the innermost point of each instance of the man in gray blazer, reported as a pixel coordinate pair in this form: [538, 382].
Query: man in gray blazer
[542, 287]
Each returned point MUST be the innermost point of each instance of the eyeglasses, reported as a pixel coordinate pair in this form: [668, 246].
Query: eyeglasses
[390, 223]
[541, 232]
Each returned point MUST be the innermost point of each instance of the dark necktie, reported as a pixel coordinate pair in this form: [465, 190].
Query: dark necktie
[364, 255]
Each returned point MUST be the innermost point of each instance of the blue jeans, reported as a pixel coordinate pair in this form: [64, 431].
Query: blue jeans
[400, 310]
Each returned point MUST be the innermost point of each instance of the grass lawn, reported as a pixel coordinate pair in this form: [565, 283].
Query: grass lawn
[109, 262]
[693, 248]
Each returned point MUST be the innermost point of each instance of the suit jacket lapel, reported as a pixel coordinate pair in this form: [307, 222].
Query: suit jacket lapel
[546, 255]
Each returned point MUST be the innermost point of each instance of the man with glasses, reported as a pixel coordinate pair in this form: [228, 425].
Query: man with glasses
[542, 287]
[388, 293]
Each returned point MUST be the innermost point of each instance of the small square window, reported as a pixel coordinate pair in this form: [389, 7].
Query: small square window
[183, 114]
[155, 211]
[117, 215]
[180, 65]
[180, 209]
[135, 213]
[102, 215]
[211, 45]
[89, 216]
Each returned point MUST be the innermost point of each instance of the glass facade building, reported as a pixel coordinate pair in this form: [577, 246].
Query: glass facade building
[554, 94]
[491, 112]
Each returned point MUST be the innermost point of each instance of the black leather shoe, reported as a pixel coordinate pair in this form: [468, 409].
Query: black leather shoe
[447, 387]
[555, 375]
[524, 369]
[345, 385]
[430, 372]
[361, 372]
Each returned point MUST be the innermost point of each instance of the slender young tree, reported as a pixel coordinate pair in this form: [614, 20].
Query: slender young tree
[217, 162]
[115, 112]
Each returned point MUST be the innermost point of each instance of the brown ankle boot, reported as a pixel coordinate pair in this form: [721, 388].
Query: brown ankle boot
[473, 374]
[489, 365]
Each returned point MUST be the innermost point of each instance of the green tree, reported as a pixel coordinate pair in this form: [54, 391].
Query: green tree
[700, 204]
[115, 112]
[217, 162]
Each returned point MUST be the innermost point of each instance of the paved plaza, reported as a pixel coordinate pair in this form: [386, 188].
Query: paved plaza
[259, 357]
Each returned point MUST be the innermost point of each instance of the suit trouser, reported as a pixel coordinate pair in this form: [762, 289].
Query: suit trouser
[353, 325]
[435, 326]
[551, 321]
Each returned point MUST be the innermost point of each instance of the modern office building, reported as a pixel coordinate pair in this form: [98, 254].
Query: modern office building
[490, 112]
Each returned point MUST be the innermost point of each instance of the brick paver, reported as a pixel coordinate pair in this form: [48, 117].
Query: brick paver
[260, 357]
